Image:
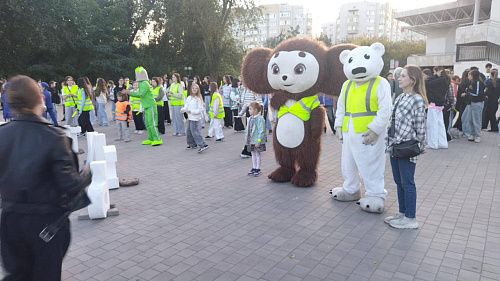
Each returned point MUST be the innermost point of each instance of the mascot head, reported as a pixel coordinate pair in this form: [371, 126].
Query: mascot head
[363, 63]
[141, 74]
[299, 67]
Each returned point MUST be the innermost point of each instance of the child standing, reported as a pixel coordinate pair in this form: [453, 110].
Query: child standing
[123, 117]
[194, 107]
[256, 136]
[216, 114]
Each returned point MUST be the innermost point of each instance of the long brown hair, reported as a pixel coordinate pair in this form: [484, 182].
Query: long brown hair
[494, 77]
[101, 87]
[84, 83]
[417, 77]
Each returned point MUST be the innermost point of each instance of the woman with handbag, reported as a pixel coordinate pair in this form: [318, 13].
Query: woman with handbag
[406, 140]
[34, 229]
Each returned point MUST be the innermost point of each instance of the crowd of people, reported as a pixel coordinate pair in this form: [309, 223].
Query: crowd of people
[473, 96]
[188, 104]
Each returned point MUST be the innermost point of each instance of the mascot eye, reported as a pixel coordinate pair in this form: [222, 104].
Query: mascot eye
[299, 68]
[367, 56]
[350, 60]
[276, 69]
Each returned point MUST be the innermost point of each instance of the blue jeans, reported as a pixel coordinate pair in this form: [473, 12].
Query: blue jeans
[403, 172]
[102, 115]
[113, 110]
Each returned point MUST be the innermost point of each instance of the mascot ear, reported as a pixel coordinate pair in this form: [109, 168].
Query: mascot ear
[254, 70]
[343, 56]
[335, 76]
[378, 48]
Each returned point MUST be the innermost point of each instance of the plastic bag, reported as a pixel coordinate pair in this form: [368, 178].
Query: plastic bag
[436, 132]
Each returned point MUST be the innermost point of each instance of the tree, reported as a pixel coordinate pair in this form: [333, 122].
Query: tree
[397, 50]
[325, 39]
[274, 41]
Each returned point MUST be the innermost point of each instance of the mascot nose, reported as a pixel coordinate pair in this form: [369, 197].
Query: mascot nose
[284, 77]
[358, 70]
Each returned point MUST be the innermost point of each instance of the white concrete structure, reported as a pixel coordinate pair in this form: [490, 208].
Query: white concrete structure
[276, 19]
[367, 19]
[459, 34]
[73, 132]
[98, 191]
[111, 159]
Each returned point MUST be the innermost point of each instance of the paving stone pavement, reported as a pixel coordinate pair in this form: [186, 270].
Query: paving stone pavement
[200, 217]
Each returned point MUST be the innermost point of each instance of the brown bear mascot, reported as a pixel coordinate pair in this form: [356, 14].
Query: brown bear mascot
[294, 73]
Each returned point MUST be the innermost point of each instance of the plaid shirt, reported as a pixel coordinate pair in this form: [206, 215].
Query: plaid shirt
[409, 121]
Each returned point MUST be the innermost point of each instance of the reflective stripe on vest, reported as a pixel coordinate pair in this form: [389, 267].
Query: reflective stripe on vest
[220, 114]
[121, 106]
[361, 104]
[302, 108]
[70, 101]
[88, 106]
[135, 103]
[156, 93]
[174, 88]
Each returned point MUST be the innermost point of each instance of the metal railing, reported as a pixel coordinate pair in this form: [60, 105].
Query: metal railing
[479, 51]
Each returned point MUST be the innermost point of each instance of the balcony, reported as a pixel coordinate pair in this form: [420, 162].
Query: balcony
[447, 59]
[485, 32]
[482, 51]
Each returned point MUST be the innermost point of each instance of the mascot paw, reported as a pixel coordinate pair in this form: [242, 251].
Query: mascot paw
[304, 179]
[372, 204]
[338, 193]
[281, 175]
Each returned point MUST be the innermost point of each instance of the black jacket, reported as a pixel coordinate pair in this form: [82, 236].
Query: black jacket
[38, 170]
[436, 88]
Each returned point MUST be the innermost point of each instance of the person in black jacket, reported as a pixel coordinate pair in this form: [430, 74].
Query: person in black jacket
[491, 104]
[39, 180]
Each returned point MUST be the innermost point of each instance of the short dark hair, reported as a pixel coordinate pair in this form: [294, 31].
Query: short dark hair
[23, 94]
[427, 72]
[489, 65]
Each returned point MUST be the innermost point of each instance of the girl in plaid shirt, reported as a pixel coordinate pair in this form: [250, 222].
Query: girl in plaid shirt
[409, 124]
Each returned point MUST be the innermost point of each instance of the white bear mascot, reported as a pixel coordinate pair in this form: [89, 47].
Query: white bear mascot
[363, 112]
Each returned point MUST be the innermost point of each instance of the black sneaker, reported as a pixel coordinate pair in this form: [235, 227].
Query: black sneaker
[251, 172]
[201, 149]
[256, 173]
[208, 137]
[191, 146]
[219, 140]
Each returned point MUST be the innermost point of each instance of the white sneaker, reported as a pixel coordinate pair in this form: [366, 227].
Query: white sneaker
[244, 156]
[477, 139]
[404, 223]
[470, 138]
[394, 217]
[141, 132]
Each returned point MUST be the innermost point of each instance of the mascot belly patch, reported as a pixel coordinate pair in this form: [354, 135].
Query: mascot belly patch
[290, 129]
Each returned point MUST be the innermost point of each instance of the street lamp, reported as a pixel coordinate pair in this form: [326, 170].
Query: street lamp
[188, 69]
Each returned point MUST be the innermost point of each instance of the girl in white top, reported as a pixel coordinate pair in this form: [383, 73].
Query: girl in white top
[194, 106]
[101, 93]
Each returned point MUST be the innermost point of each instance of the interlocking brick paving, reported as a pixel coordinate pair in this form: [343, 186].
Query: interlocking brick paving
[200, 217]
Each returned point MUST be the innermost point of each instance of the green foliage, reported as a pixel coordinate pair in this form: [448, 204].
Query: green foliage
[274, 41]
[397, 50]
[325, 39]
[53, 38]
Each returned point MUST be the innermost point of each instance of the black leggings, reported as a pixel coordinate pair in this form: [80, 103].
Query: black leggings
[84, 122]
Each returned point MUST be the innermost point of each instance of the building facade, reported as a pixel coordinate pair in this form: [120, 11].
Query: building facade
[367, 19]
[459, 34]
[276, 19]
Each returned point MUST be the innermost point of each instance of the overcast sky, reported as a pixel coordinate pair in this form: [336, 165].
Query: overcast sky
[324, 11]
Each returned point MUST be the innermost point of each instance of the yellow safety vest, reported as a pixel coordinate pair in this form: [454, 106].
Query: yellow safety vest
[220, 114]
[361, 104]
[302, 108]
[135, 103]
[70, 101]
[173, 100]
[156, 93]
[88, 106]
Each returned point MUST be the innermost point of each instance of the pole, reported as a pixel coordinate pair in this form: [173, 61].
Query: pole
[477, 4]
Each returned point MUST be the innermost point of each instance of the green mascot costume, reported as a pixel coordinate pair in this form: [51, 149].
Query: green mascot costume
[149, 105]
